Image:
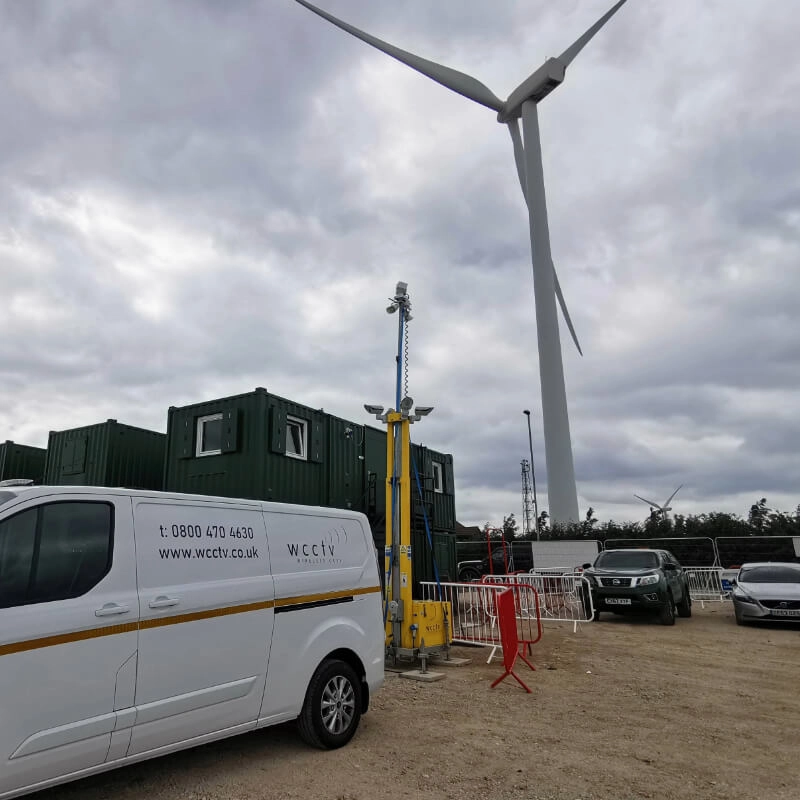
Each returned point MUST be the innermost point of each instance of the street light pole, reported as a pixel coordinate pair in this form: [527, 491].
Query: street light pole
[527, 413]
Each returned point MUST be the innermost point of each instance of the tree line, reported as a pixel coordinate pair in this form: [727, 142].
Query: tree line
[761, 520]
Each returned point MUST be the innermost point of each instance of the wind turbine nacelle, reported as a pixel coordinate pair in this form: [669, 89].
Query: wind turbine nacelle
[547, 78]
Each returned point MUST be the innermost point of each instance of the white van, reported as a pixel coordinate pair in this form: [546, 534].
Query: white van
[134, 624]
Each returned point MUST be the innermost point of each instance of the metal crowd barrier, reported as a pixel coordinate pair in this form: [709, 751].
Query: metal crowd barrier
[706, 585]
[474, 611]
[564, 597]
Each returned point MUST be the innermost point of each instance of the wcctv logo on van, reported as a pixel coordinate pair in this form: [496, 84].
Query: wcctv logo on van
[324, 550]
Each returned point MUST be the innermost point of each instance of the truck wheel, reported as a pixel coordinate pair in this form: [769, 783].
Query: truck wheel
[667, 613]
[685, 605]
[332, 708]
[587, 605]
[469, 574]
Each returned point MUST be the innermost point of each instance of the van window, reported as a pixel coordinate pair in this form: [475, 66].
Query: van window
[17, 538]
[54, 552]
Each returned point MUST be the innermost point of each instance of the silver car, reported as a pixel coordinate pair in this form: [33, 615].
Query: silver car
[767, 591]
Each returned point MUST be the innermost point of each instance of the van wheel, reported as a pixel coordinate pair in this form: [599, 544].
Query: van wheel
[332, 708]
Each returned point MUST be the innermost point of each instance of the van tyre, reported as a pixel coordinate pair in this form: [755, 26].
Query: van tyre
[332, 708]
[667, 613]
[685, 605]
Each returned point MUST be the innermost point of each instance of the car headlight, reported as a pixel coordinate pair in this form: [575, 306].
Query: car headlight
[648, 580]
[745, 598]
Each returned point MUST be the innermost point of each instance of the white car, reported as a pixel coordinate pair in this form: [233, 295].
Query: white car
[765, 591]
[134, 624]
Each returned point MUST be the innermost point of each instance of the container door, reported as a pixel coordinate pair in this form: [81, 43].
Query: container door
[206, 597]
[68, 633]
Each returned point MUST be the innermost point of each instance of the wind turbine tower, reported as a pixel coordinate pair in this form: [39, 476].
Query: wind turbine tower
[523, 103]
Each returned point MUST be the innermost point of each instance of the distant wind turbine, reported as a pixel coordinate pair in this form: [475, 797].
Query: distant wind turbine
[522, 102]
[663, 510]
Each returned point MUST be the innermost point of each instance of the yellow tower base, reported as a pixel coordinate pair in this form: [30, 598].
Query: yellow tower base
[411, 625]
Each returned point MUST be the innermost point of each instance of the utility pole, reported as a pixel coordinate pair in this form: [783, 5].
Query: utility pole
[527, 413]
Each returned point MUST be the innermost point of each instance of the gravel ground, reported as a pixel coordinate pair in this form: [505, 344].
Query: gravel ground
[621, 709]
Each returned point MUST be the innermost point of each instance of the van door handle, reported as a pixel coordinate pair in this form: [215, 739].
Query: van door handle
[110, 609]
[162, 601]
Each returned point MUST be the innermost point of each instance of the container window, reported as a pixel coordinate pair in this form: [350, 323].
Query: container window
[209, 435]
[296, 438]
[438, 478]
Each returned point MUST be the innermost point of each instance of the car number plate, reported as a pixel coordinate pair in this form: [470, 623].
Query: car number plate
[786, 612]
[618, 601]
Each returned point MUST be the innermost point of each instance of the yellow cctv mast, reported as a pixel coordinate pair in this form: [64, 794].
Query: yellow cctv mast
[414, 628]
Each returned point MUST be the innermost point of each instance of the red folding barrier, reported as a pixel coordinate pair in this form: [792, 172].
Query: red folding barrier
[507, 603]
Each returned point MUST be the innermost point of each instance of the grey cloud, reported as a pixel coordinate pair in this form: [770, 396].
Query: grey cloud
[248, 168]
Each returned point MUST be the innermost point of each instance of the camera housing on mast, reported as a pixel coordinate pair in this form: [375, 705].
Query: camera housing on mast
[401, 299]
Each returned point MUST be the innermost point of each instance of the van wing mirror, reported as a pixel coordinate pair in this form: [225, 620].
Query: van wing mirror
[587, 565]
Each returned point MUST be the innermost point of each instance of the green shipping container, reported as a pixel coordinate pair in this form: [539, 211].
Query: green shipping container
[261, 446]
[106, 454]
[264, 447]
[22, 461]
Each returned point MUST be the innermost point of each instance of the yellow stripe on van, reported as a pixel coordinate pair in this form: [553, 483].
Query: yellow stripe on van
[174, 619]
[66, 638]
[211, 613]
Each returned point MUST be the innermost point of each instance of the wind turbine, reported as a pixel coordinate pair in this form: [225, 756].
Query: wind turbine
[522, 102]
[663, 510]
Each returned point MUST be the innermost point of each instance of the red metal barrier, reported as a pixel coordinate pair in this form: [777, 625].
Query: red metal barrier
[507, 609]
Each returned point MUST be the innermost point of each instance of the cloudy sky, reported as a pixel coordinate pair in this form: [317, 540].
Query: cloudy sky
[198, 198]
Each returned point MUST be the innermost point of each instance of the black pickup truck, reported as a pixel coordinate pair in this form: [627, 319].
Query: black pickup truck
[625, 581]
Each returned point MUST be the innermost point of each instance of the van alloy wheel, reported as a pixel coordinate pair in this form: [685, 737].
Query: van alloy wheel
[332, 708]
[338, 704]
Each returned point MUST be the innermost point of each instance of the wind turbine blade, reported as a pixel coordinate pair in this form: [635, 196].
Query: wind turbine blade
[568, 56]
[649, 502]
[519, 159]
[564, 310]
[673, 495]
[458, 82]
[519, 155]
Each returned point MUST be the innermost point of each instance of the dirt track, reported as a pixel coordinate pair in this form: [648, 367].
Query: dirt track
[622, 709]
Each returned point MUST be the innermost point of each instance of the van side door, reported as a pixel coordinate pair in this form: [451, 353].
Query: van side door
[206, 597]
[68, 631]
